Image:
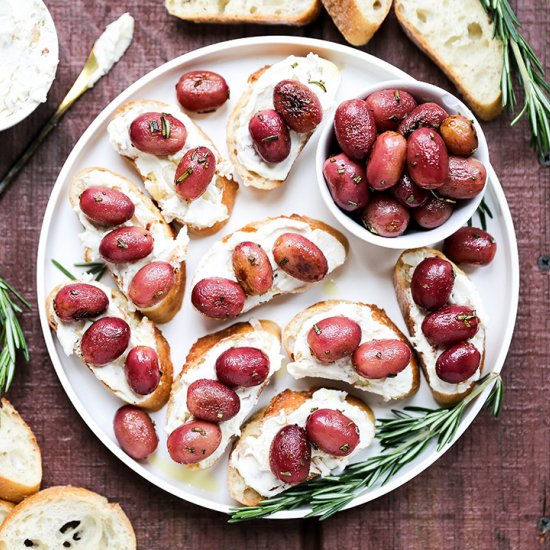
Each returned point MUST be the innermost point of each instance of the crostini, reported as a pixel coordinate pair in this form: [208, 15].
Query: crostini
[276, 115]
[321, 431]
[355, 343]
[123, 349]
[283, 255]
[218, 387]
[178, 163]
[124, 229]
[445, 317]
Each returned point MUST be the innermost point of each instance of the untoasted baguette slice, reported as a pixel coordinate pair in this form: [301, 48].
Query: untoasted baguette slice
[358, 20]
[458, 36]
[143, 332]
[464, 293]
[217, 261]
[201, 363]
[166, 248]
[5, 508]
[375, 324]
[297, 12]
[203, 216]
[67, 517]
[20, 458]
[322, 77]
[249, 478]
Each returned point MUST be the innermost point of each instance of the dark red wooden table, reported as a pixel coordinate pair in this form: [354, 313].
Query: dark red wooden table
[488, 491]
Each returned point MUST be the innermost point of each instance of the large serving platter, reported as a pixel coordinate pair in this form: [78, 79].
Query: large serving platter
[365, 277]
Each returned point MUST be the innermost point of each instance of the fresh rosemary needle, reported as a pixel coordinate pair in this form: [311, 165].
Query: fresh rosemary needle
[403, 438]
[11, 334]
[520, 59]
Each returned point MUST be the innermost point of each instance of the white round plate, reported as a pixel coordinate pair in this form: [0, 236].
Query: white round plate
[366, 275]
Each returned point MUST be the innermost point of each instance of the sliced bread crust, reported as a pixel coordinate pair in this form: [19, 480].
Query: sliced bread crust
[468, 54]
[167, 308]
[201, 347]
[288, 401]
[236, 11]
[158, 398]
[229, 187]
[402, 285]
[5, 508]
[358, 20]
[67, 517]
[17, 446]
[296, 324]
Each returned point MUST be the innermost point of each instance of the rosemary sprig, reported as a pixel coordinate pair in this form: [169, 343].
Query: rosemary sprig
[93, 268]
[403, 438]
[11, 334]
[482, 211]
[529, 72]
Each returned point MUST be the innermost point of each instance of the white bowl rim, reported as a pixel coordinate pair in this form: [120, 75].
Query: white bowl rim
[30, 107]
[416, 239]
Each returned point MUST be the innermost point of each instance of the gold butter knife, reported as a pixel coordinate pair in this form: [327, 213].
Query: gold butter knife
[107, 50]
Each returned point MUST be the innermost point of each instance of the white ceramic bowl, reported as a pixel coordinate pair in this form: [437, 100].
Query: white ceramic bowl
[413, 237]
[49, 44]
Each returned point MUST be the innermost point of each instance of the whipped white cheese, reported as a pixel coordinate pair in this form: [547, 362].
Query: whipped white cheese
[111, 45]
[112, 375]
[158, 172]
[165, 248]
[320, 75]
[306, 365]
[465, 294]
[178, 414]
[251, 456]
[28, 58]
[217, 262]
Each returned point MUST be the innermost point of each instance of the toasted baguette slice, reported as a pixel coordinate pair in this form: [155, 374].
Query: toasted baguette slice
[203, 216]
[297, 12]
[458, 36]
[5, 508]
[67, 517]
[322, 77]
[464, 293]
[249, 458]
[167, 248]
[217, 261]
[375, 324]
[143, 332]
[20, 458]
[358, 20]
[201, 363]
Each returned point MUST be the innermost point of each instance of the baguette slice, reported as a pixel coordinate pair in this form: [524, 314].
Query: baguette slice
[203, 216]
[20, 457]
[297, 12]
[67, 517]
[217, 261]
[358, 20]
[375, 324]
[458, 36]
[200, 363]
[320, 75]
[464, 293]
[167, 248]
[251, 451]
[143, 332]
[5, 508]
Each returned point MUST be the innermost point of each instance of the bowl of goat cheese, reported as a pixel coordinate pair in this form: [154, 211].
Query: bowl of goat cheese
[28, 58]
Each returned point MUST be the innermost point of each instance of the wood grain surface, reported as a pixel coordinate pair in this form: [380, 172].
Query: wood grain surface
[489, 491]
